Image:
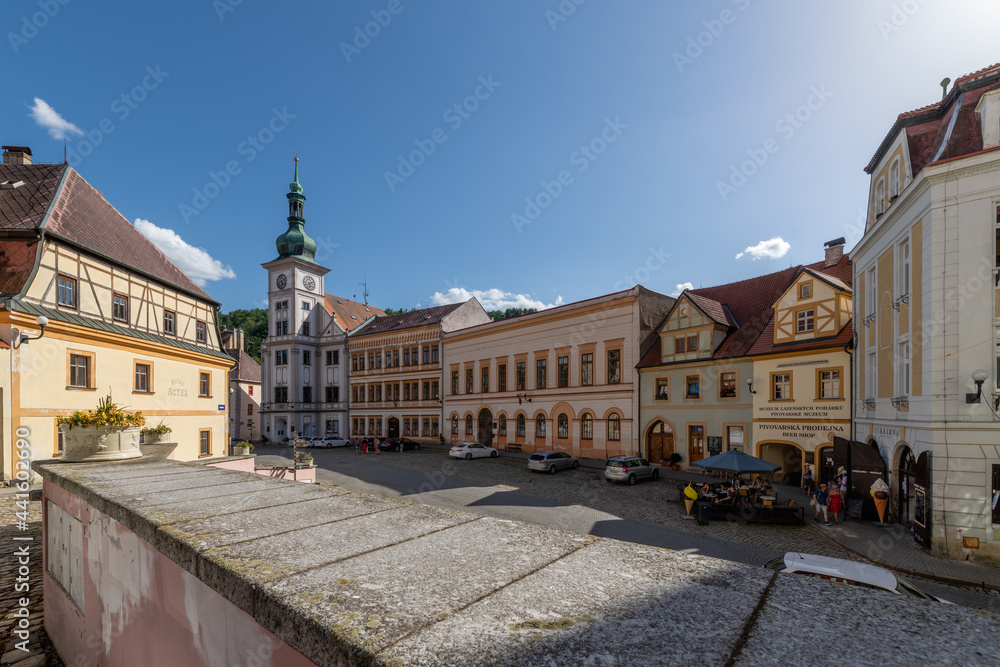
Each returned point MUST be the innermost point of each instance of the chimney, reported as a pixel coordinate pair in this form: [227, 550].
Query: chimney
[237, 343]
[834, 252]
[16, 155]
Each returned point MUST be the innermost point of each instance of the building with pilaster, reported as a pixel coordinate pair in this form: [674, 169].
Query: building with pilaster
[927, 317]
[303, 358]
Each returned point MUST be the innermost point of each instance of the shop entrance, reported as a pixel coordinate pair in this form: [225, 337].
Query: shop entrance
[788, 456]
[392, 427]
[660, 443]
[696, 443]
[485, 427]
[906, 498]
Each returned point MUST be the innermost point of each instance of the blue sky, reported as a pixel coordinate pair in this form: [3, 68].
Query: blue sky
[593, 145]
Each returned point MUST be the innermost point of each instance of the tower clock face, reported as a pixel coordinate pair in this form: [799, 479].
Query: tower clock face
[309, 283]
[281, 281]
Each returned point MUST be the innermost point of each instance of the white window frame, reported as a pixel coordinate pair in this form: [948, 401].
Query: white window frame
[904, 378]
[880, 197]
[904, 263]
[894, 184]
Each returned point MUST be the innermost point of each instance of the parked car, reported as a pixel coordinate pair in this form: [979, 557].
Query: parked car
[313, 441]
[847, 572]
[629, 469]
[472, 450]
[334, 441]
[550, 462]
[394, 444]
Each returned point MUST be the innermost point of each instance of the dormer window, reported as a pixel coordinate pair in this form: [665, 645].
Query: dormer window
[805, 290]
[894, 180]
[880, 197]
[805, 321]
[988, 109]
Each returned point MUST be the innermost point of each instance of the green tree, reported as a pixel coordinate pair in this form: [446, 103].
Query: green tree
[510, 312]
[254, 325]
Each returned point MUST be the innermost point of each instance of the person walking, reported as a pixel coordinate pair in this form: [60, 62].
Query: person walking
[807, 481]
[836, 505]
[822, 497]
[378, 447]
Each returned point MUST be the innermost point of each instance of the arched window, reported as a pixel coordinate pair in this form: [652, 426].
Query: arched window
[587, 427]
[520, 426]
[880, 197]
[502, 425]
[563, 426]
[454, 425]
[540, 426]
[894, 179]
[614, 426]
[468, 424]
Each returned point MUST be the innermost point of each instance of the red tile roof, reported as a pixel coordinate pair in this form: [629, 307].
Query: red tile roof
[57, 199]
[927, 128]
[711, 308]
[247, 368]
[749, 302]
[349, 314]
[414, 318]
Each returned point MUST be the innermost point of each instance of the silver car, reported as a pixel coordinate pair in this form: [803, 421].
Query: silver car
[629, 469]
[550, 462]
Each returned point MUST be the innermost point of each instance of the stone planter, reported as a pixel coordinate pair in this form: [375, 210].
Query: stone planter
[100, 443]
[241, 451]
[158, 450]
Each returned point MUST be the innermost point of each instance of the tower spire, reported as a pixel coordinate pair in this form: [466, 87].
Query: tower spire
[295, 242]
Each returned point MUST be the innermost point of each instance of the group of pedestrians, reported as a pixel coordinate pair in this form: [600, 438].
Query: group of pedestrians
[362, 445]
[829, 497]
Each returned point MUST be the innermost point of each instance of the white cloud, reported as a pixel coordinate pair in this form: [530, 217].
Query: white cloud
[49, 118]
[770, 249]
[492, 299]
[195, 262]
[681, 287]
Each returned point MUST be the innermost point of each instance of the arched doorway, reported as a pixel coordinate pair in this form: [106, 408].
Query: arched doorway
[660, 442]
[788, 456]
[905, 467]
[485, 436]
[827, 468]
[392, 428]
[280, 429]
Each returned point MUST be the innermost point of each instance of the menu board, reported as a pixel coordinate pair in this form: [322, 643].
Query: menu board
[920, 506]
[854, 507]
[714, 444]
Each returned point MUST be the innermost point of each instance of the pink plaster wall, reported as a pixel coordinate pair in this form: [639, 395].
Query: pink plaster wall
[141, 608]
[307, 475]
[243, 464]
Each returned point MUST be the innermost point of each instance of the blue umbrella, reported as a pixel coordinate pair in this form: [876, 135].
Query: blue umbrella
[737, 462]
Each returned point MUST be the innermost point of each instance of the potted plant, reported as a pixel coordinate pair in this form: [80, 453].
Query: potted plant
[308, 458]
[242, 448]
[108, 433]
[675, 460]
[154, 434]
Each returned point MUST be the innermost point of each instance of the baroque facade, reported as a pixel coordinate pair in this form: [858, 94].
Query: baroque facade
[928, 313]
[303, 358]
[559, 379]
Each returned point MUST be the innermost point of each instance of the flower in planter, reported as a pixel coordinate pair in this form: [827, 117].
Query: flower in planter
[106, 414]
[159, 429]
[248, 446]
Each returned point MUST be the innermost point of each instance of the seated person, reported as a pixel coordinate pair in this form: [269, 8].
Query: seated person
[705, 489]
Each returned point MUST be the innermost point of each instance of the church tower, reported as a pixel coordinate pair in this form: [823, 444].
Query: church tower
[296, 322]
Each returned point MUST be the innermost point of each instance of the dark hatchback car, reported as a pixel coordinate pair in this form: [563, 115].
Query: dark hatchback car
[399, 444]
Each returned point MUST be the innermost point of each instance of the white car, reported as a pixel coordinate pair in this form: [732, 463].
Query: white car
[313, 441]
[847, 572]
[472, 450]
[333, 441]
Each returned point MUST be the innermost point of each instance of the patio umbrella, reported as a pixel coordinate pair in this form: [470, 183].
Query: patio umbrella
[737, 462]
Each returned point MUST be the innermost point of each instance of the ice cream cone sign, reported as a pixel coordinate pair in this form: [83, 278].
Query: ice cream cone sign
[690, 495]
[880, 493]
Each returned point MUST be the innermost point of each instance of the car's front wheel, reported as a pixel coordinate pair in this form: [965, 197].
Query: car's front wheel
[552, 470]
[468, 456]
[576, 464]
[493, 454]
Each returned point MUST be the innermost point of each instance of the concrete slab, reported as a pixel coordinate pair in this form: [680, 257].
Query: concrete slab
[871, 628]
[374, 600]
[609, 603]
[258, 523]
[196, 509]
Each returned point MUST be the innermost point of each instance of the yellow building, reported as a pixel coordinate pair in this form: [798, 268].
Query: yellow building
[120, 317]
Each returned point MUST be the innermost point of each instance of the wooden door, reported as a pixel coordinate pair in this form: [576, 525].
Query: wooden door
[696, 443]
[661, 443]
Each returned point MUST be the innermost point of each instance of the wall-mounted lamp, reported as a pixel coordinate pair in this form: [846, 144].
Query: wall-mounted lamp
[18, 337]
[523, 396]
[750, 385]
[979, 377]
[869, 319]
[905, 298]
